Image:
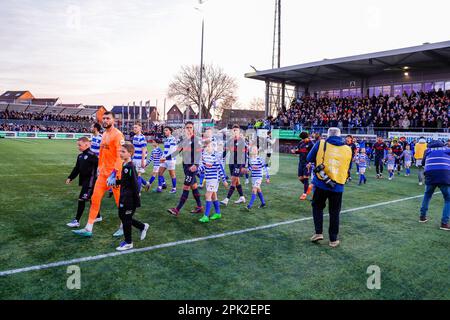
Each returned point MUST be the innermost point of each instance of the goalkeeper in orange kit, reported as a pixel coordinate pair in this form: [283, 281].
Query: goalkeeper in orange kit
[109, 170]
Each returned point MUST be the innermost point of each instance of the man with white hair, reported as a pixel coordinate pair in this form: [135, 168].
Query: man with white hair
[332, 159]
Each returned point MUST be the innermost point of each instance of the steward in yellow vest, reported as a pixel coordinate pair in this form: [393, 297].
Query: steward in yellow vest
[336, 156]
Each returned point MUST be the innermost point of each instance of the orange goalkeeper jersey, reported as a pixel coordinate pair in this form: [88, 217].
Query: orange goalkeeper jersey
[109, 158]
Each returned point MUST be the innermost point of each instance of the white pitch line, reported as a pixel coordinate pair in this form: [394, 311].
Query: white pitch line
[177, 243]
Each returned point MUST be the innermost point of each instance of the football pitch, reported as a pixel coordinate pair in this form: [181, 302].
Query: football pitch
[262, 254]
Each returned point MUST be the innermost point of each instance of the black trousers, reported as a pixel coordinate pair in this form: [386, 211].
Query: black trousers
[319, 203]
[379, 164]
[126, 216]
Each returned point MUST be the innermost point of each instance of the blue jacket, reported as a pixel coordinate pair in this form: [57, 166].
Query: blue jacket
[436, 162]
[337, 141]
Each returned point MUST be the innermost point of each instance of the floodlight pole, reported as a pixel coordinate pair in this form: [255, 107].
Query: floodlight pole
[201, 72]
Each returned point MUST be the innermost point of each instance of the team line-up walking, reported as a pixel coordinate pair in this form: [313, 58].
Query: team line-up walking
[109, 163]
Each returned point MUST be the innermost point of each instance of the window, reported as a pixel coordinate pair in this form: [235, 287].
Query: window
[345, 93]
[357, 92]
[371, 91]
[337, 93]
[6, 95]
[378, 90]
[417, 87]
[398, 90]
[386, 90]
[427, 86]
[407, 88]
[447, 85]
[17, 94]
[439, 85]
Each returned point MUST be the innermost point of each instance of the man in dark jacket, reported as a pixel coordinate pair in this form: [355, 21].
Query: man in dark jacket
[436, 162]
[332, 159]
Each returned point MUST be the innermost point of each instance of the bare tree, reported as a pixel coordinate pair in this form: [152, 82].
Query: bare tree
[218, 88]
[257, 104]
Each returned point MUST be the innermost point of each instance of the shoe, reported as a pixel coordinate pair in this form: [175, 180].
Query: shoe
[248, 208]
[423, 219]
[334, 244]
[303, 196]
[147, 187]
[316, 237]
[118, 233]
[359, 184]
[159, 189]
[144, 232]
[83, 233]
[381, 176]
[241, 200]
[124, 246]
[204, 219]
[173, 190]
[99, 219]
[216, 216]
[390, 179]
[225, 201]
[73, 224]
[310, 187]
[378, 176]
[262, 206]
[164, 186]
[445, 226]
[246, 181]
[420, 183]
[174, 211]
[110, 194]
[197, 210]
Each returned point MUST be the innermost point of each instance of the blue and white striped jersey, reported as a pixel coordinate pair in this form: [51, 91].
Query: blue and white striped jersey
[95, 144]
[362, 160]
[390, 158]
[407, 155]
[155, 156]
[139, 142]
[170, 147]
[256, 165]
[212, 167]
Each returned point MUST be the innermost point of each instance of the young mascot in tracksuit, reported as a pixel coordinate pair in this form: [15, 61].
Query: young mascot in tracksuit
[129, 199]
[86, 169]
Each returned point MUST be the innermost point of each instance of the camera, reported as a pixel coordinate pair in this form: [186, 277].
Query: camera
[320, 170]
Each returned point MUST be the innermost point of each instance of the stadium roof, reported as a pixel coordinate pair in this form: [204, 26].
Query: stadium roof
[426, 56]
[55, 110]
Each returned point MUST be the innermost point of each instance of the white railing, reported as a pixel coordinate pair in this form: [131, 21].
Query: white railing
[43, 135]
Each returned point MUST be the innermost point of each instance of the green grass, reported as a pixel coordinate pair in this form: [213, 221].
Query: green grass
[276, 263]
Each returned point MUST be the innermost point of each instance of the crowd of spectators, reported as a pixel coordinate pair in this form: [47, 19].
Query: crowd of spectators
[14, 115]
[41, 128]
[417, 110]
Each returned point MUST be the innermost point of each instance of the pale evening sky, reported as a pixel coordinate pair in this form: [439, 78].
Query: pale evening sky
[114, 52]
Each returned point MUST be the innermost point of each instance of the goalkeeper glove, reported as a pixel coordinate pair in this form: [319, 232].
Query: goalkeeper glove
[111, 181]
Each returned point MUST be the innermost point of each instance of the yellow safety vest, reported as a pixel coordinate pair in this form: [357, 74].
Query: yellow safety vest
[337, 161]
[420, 150]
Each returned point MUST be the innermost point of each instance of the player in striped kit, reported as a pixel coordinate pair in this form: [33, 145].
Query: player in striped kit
[168, 161]
[407, 159]
[140, 154]
[155, 157]
[96, 138]
[213, 171]
[390, 159]
[363, 160]
[256, 165]
[207, 137]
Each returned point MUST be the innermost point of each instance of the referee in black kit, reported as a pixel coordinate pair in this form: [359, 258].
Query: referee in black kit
[191, 149]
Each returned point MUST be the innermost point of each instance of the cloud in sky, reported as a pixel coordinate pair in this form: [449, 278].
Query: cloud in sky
[114, 52]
